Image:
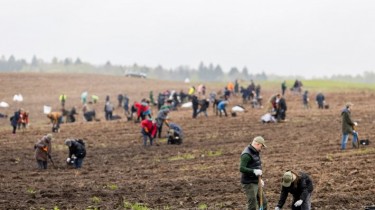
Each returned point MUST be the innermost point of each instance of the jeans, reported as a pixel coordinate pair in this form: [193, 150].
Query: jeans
[345, 137]
[223, 110]
[306, 205]
[78, 162]
[145, 137]
[202, 111]
[251, 191]
[108, 115]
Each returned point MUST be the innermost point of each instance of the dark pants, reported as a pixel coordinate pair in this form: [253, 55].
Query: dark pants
[195, 111]
[306, 205]
[251, 191]
[225, 112]
[280, 114]
[42, 164]
[72, 118]
[145, 137]
[14, 129]
[108, 115]
[78, 162]
[159, 124]
[202, 111]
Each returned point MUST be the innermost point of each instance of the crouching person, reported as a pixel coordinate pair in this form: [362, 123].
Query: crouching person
[300, 186]
[175, 134]
[148, 130]
[43, 151]
[77, 152]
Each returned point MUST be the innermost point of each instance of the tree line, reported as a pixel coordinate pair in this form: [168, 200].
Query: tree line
[203, 72]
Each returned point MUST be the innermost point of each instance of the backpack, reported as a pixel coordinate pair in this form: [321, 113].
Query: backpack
[82, 151]
[81, 142]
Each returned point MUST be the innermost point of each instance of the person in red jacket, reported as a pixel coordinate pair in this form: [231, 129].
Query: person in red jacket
[149, 129]
[143, 109]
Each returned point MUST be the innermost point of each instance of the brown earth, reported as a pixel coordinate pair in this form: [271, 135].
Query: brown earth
[204, 171]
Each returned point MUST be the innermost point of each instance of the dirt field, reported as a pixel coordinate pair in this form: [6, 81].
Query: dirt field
[202, 173]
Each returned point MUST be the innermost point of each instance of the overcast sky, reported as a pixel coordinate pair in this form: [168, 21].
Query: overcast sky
[284, 37]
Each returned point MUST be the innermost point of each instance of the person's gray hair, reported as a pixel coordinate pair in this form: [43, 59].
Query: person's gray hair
[68, 142]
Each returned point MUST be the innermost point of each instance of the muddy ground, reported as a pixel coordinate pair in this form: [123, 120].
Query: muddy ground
[203, 172]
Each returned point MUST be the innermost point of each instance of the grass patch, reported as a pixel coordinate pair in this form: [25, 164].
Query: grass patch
[182, 157]
[202, 206]
[135, 206]
[58, 147]
[162, 140]
[322, 85]
[31, 191]
[351, 152]
[96, 200]
[196, 168]
[214, 153]
[112, 186]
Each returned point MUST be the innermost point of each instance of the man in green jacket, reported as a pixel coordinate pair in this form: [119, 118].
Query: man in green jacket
[347, 126]
[251, 169]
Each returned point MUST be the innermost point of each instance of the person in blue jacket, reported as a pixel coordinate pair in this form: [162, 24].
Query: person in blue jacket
[14, 120]
[221, 107]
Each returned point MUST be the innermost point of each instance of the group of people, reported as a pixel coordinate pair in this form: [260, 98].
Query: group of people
[43, 151]
[20, 119]
[320, 100]
[150, 128]
[276, 111]
[300, 185]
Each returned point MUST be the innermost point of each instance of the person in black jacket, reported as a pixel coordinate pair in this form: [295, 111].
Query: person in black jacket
[251, 170]
[320, 100]
[300, 186]
[204, 104]
[280, 108]
[14, 120]
[77, 152]
[195, 102]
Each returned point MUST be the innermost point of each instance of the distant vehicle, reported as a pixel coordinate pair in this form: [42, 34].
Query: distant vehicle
[136, 74]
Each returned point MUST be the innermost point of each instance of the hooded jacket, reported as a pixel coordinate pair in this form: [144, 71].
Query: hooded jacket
[43, 148]
[347, 123]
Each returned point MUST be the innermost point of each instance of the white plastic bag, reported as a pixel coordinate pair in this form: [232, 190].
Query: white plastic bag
[46, 109]
[4, 104]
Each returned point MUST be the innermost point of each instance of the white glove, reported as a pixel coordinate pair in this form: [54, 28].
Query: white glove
[258, 172]
[261, 181]
[277, 208]
[355, 123]
[298, 203]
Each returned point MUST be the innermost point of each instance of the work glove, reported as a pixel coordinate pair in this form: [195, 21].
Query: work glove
[277, 208]
[298, 203]
[355, 123]
[257, 172]
[261, 181]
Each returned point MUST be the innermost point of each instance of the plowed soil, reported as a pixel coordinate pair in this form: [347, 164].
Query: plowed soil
[119, 172]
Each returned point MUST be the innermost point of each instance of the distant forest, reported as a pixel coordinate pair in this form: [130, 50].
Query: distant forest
[203, 72]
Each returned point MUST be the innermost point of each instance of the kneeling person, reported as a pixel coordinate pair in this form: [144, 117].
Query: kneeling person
[77, 152]
[175, 134]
